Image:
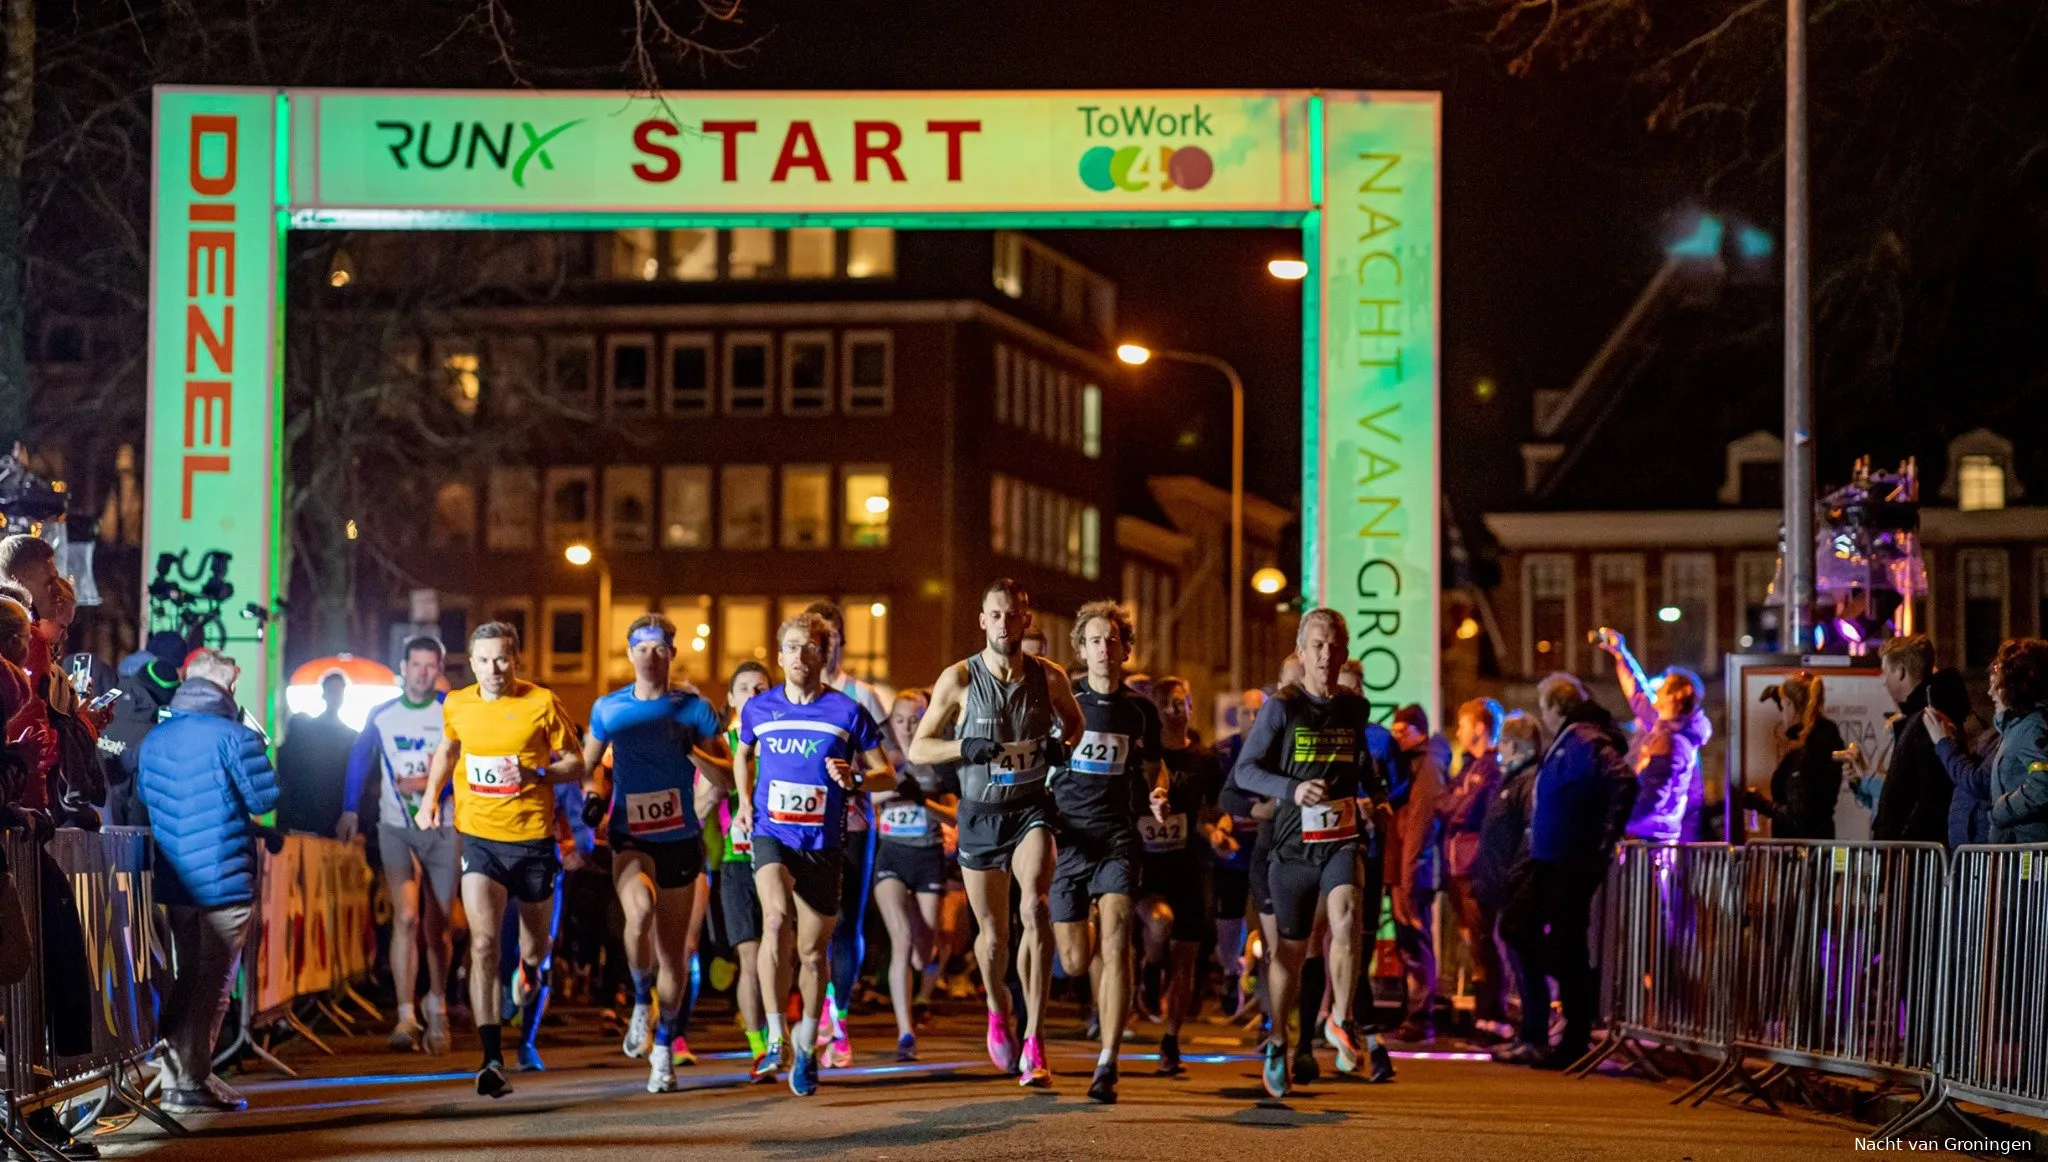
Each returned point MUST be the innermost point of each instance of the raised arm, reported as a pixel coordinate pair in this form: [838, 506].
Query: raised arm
[930, 747]
[1634, 686]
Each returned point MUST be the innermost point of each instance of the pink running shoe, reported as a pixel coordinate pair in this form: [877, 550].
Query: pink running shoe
[1001, 1049]
[1032, 1072]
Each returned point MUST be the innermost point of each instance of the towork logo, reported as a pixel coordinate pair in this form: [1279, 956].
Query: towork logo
[412, 145]
[1135, 168]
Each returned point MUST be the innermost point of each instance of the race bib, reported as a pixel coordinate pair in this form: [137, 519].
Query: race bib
[856, 819]
[1019, 762]
[487, 777]
[1330, 822]
[650, 812]
[1172, 835]
[905, 821]
[1100, 753]
[412, 780]
[740, 838]
[796, 804]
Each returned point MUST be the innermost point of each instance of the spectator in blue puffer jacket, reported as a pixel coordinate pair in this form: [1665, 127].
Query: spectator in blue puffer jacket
[202, 774]
[1671, 729]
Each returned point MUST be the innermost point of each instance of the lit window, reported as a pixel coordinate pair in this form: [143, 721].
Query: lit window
[742, 633]
[1091, 543]
[1546, 613]
[565, 652]
[870, 373]
[461, 373]
[867, 638]
[871, 252]
[746, 375]
[1980, 484]
[794, 604]
[692, 255]
[454, 524]
[692, 618]
[806, 506]
[629, 372]
[629, 506]
[618, 660]
[1019, 541]
[750, 253]
[688, 367]
[813, 252]
[514, 505]
[571, 507]
[1009, 264]
[570, 376]
[867, 507]
[633, 255]
[999, 513]
[1091, 421]
[807, 373]
[686, 506]
[743, 506]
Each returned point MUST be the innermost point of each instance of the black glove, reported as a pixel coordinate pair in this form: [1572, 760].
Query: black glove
[1056, 752]
[979, 750]
[595, 808]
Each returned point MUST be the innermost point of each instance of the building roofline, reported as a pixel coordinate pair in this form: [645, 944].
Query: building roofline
[1262, 517]
[1733, 528]
[1162, 544]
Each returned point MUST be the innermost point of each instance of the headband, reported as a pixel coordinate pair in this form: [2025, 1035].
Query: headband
[648, 635]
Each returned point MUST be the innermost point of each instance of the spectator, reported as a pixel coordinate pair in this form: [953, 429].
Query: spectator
[77, 780]
[2005, 798]
[1582, 800]
[1914, 802]
[146, 691]
[1473, 785]
[1503, 848]
[1411, 863]
[312, 764]
[1670, 730]
[1808, 778]
[202, 775]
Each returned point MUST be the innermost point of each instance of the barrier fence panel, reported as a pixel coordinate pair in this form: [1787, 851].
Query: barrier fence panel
[1671, 949]
[1994, 1044]
[21, 1003]
[314, 935]
[109, 874]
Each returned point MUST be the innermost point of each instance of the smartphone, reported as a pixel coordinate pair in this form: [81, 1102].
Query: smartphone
[103, 701]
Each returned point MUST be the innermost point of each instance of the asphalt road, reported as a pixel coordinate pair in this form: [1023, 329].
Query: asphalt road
[592, 1103]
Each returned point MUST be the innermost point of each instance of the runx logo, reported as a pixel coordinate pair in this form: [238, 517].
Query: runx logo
[420, 144]
[800, 747]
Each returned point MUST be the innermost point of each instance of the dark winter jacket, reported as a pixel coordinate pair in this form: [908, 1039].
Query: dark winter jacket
[202, 775]
[1504, 836]
[1463, 811]
[1914, 802]
[2008, 792]
[1413, 840]
[145, 699]
[1584, 791]
[1805, 786]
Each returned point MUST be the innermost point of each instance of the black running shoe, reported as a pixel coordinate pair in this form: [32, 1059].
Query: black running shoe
[490, 1080]
[1382, 1064]
[1169, 1056]
[1102, 1087]
[1306, 1071]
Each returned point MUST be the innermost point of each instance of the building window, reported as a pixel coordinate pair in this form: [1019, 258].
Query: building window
[1618, 596]
[1034, 387]
[516, 612]
[742, 632]
[806, 506]
[1547, 622]
[454, 525]
[743, 506]
[571, 507]
[1068, 430]
[618, 661]
[1980, 484]
[1020, 519]
[1982, 604]
[1687, 613]
[867, 638]
[692, 618]
[746, 374]
[813, 252]
[570, 375]
[871, 252]
[514, 505]
[1004, 361]
[461, 370]
[686, 506]
[629, 372]
[1756, 620]
[688, 366]
[867, 507]
[999, 513]
[1091, 421]
[515, 369]
[632, 255]
[870, 373]
[807, 373]
[629, 507]
[565, 648]
[1091, 543]
[750, 253]
[692, 255]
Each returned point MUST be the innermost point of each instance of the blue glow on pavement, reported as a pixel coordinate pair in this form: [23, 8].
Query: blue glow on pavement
[373, 1079]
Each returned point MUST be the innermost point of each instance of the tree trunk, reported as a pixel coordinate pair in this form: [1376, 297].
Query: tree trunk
[17, 116]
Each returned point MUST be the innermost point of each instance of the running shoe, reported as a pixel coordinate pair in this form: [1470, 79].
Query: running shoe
[490, 1080]
[839, 1054]
[405, 1036]
[1340, 1040]
[639, 1031]
[437, 1041]
[679, 1053]
[803, 1077]
[1102, 1087]
[529, 1060]
[1274, 1075]
[828, 1029]
[766, 1066]
[1306, 1069]
[1169, 1056]
[906, 1047]
[1382, 1064]
[1031, 1070]
[522, 986]
[1001, 1048]
[661, 1073]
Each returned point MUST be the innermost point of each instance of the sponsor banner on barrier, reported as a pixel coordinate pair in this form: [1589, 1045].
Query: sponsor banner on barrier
[315, 933]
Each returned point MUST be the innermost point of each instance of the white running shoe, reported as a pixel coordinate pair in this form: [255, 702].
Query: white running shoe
[437, 1041]
[661, 1073]
[405, 1036]
[639, 1032]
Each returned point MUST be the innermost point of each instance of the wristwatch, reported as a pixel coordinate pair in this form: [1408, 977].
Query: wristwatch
[859, 777]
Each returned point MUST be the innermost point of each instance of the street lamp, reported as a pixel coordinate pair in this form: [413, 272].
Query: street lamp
[580, 555]
[1288, 269]
[1269, 581]
[1138, 355]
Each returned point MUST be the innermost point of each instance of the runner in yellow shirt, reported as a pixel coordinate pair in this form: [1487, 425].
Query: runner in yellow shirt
[511, 741]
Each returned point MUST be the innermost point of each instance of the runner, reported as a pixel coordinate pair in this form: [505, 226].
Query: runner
[739, 903]
[657, 842]
[849, 939]
[1006, 705]
[515, 744]
[1110, 779]
[1232, 865]
[1180, 852]
[420, 867]
[807, 739]
[910, 868]
[1307, 750]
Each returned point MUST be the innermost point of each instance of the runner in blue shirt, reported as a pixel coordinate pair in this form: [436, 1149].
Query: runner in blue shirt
[795, 764]
[656, 840]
